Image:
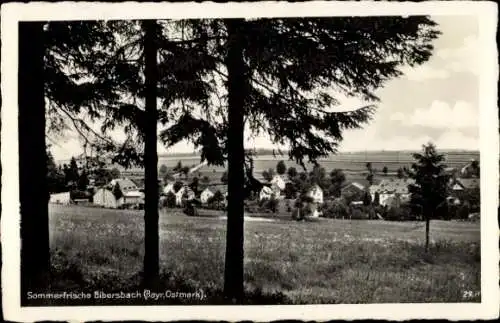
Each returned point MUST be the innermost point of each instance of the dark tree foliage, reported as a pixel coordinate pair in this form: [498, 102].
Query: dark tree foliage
[83, 181]
[224, 177]
[117, 191]
[376, 199]
[55, 175]
[367, 199]
[115, 173]
[400, 173]
[385, 170]
[281, 168]
[431, 184]
[337, 178]
[292, 172]
[163, 171]
[268, 174]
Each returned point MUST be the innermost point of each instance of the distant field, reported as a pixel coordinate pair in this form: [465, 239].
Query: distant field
[349, 162]
[330, 261]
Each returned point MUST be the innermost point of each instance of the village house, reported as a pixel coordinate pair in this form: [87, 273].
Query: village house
[185, 192]
[278, 184]
[389, 188]
[105, 198]
[169, 188]
[461, 186]
[125, 184]
[206, 194]
[266, 193]
[353, 189]
[60, 198]
[316, 195]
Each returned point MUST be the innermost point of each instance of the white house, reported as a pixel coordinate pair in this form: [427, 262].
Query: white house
[316, 193]
[205, 195]
[180, 194]
[105, 198]
[169, 188]
[278, 182]
[266, 193]
[60, 198]
[126, 185]
[133, 197]
[387, 189]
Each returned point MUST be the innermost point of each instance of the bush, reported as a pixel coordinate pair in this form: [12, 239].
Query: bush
[336, 209]
[402, 213]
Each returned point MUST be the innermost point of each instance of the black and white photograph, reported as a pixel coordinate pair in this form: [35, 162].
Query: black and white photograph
[197, 158]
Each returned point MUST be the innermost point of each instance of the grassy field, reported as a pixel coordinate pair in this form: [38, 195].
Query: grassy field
[353, 162]
[330, 261]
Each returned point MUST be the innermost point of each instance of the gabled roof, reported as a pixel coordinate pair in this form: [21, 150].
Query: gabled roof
[397, 185]
[354, 184]
[469, 183]
[125, 184]
[220, 188]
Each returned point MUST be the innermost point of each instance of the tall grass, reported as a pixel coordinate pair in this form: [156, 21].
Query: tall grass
[331, 261]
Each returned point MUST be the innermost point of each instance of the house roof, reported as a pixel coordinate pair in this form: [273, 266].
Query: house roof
[355, 184]
[469, 183]
[221, 188]
[397, 185]
[125, 184]
[133, 194]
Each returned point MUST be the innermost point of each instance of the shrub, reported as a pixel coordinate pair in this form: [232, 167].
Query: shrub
[169, 200]
[336, 209]
[402, 213]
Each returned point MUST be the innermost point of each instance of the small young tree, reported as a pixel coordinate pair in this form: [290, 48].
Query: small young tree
[268, 175]
[178, 167]
[290, 190]
[385, 170]
[177, 186]
[170, 200]
[83, 181]
[117, 191]
[400, 173]
[194, 185]
[224, 178]
[367, 199]
[281, 167]
[115, 173]
[337, 178]
[430, 188]
[370, 178]
[376, 199]
[163, 171]
[185, 170]
[292, 172]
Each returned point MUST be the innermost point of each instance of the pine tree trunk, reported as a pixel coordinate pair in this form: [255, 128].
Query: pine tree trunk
[427, 222]
[151, 216]
[33, 189]
[233, 273]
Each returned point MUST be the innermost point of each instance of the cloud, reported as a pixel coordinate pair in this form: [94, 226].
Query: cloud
[441, 115]
[463, 58]
[425, 72]
[447, 61]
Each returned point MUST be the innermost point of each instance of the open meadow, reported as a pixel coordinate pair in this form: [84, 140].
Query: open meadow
[329, 261]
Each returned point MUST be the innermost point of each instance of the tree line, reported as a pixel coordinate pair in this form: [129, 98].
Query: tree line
[204, 81]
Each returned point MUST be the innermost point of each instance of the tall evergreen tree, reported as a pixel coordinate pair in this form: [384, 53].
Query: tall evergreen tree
[279, 76]
[35, 256]
[151, 215]
[430, 188]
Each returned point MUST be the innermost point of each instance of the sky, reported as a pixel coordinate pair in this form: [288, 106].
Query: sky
[436, 101]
